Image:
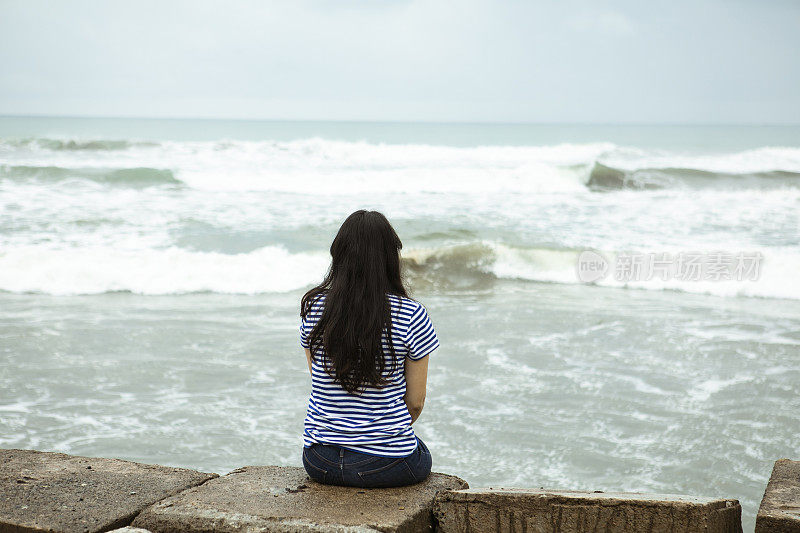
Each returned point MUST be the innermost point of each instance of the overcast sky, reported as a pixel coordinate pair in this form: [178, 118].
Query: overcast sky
[728, 61]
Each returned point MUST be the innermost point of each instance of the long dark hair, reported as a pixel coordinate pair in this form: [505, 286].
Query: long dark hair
[365, 267]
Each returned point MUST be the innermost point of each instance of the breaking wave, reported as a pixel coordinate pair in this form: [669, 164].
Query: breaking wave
[356, 167]
[122, 232]
[96, 270]
[45, 143]
[132, 177]
[603, 177]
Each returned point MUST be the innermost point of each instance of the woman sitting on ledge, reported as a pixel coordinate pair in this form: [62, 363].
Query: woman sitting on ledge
[366, 343]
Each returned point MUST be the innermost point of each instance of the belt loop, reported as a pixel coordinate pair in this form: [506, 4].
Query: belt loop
[341, 459]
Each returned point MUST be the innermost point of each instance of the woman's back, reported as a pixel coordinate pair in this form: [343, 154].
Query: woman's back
[374, 420]
[366, 345]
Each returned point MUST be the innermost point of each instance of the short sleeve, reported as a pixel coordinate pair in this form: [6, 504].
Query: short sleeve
[304, 331]
[421, 338]
[309, 322]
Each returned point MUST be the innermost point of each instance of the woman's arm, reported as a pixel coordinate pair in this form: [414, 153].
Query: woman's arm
[416, 382]
[308, 359]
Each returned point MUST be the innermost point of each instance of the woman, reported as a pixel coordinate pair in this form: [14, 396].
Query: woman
[366, 343]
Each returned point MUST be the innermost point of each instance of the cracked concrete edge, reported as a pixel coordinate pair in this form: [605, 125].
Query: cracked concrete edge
[502, 509]
[125, 524]
[779, 511]
[115, 523]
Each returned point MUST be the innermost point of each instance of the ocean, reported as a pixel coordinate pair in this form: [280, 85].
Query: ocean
[151, 271]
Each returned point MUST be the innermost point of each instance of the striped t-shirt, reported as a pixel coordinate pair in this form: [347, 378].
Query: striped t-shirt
[376, 420]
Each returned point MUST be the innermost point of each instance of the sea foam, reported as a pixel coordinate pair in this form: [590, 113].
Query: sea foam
[87, 216]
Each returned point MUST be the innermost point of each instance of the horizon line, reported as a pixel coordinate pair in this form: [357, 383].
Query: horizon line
[395, 121]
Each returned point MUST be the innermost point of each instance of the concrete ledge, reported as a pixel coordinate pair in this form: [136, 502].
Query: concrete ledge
[274, 498]
[506, 510]
[41, 491]
[780, 507]
[55, 492]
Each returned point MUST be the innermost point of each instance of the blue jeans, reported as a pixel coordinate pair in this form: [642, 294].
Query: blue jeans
[334, 465]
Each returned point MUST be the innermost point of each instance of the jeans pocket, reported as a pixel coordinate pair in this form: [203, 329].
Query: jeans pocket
[315, 471]
[394, 473]
[420, 462]
[318, 456]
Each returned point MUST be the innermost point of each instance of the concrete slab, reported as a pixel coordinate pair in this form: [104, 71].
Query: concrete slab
[274, 498]
[506, 510]
[780, 507]
[42, 491]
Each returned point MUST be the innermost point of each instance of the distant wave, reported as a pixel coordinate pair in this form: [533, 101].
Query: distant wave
[134, 177]
[600, 178]
[340, 167]
[603, 177]
[96, 270]
[73, 144]
[757, 160]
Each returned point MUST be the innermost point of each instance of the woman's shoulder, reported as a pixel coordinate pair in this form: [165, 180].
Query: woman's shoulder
[404, 305]
[314, 303]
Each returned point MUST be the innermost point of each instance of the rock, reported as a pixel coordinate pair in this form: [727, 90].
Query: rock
[129, 529]
[487, 510]
[780, 507]
[274, 498]
[42, 491]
